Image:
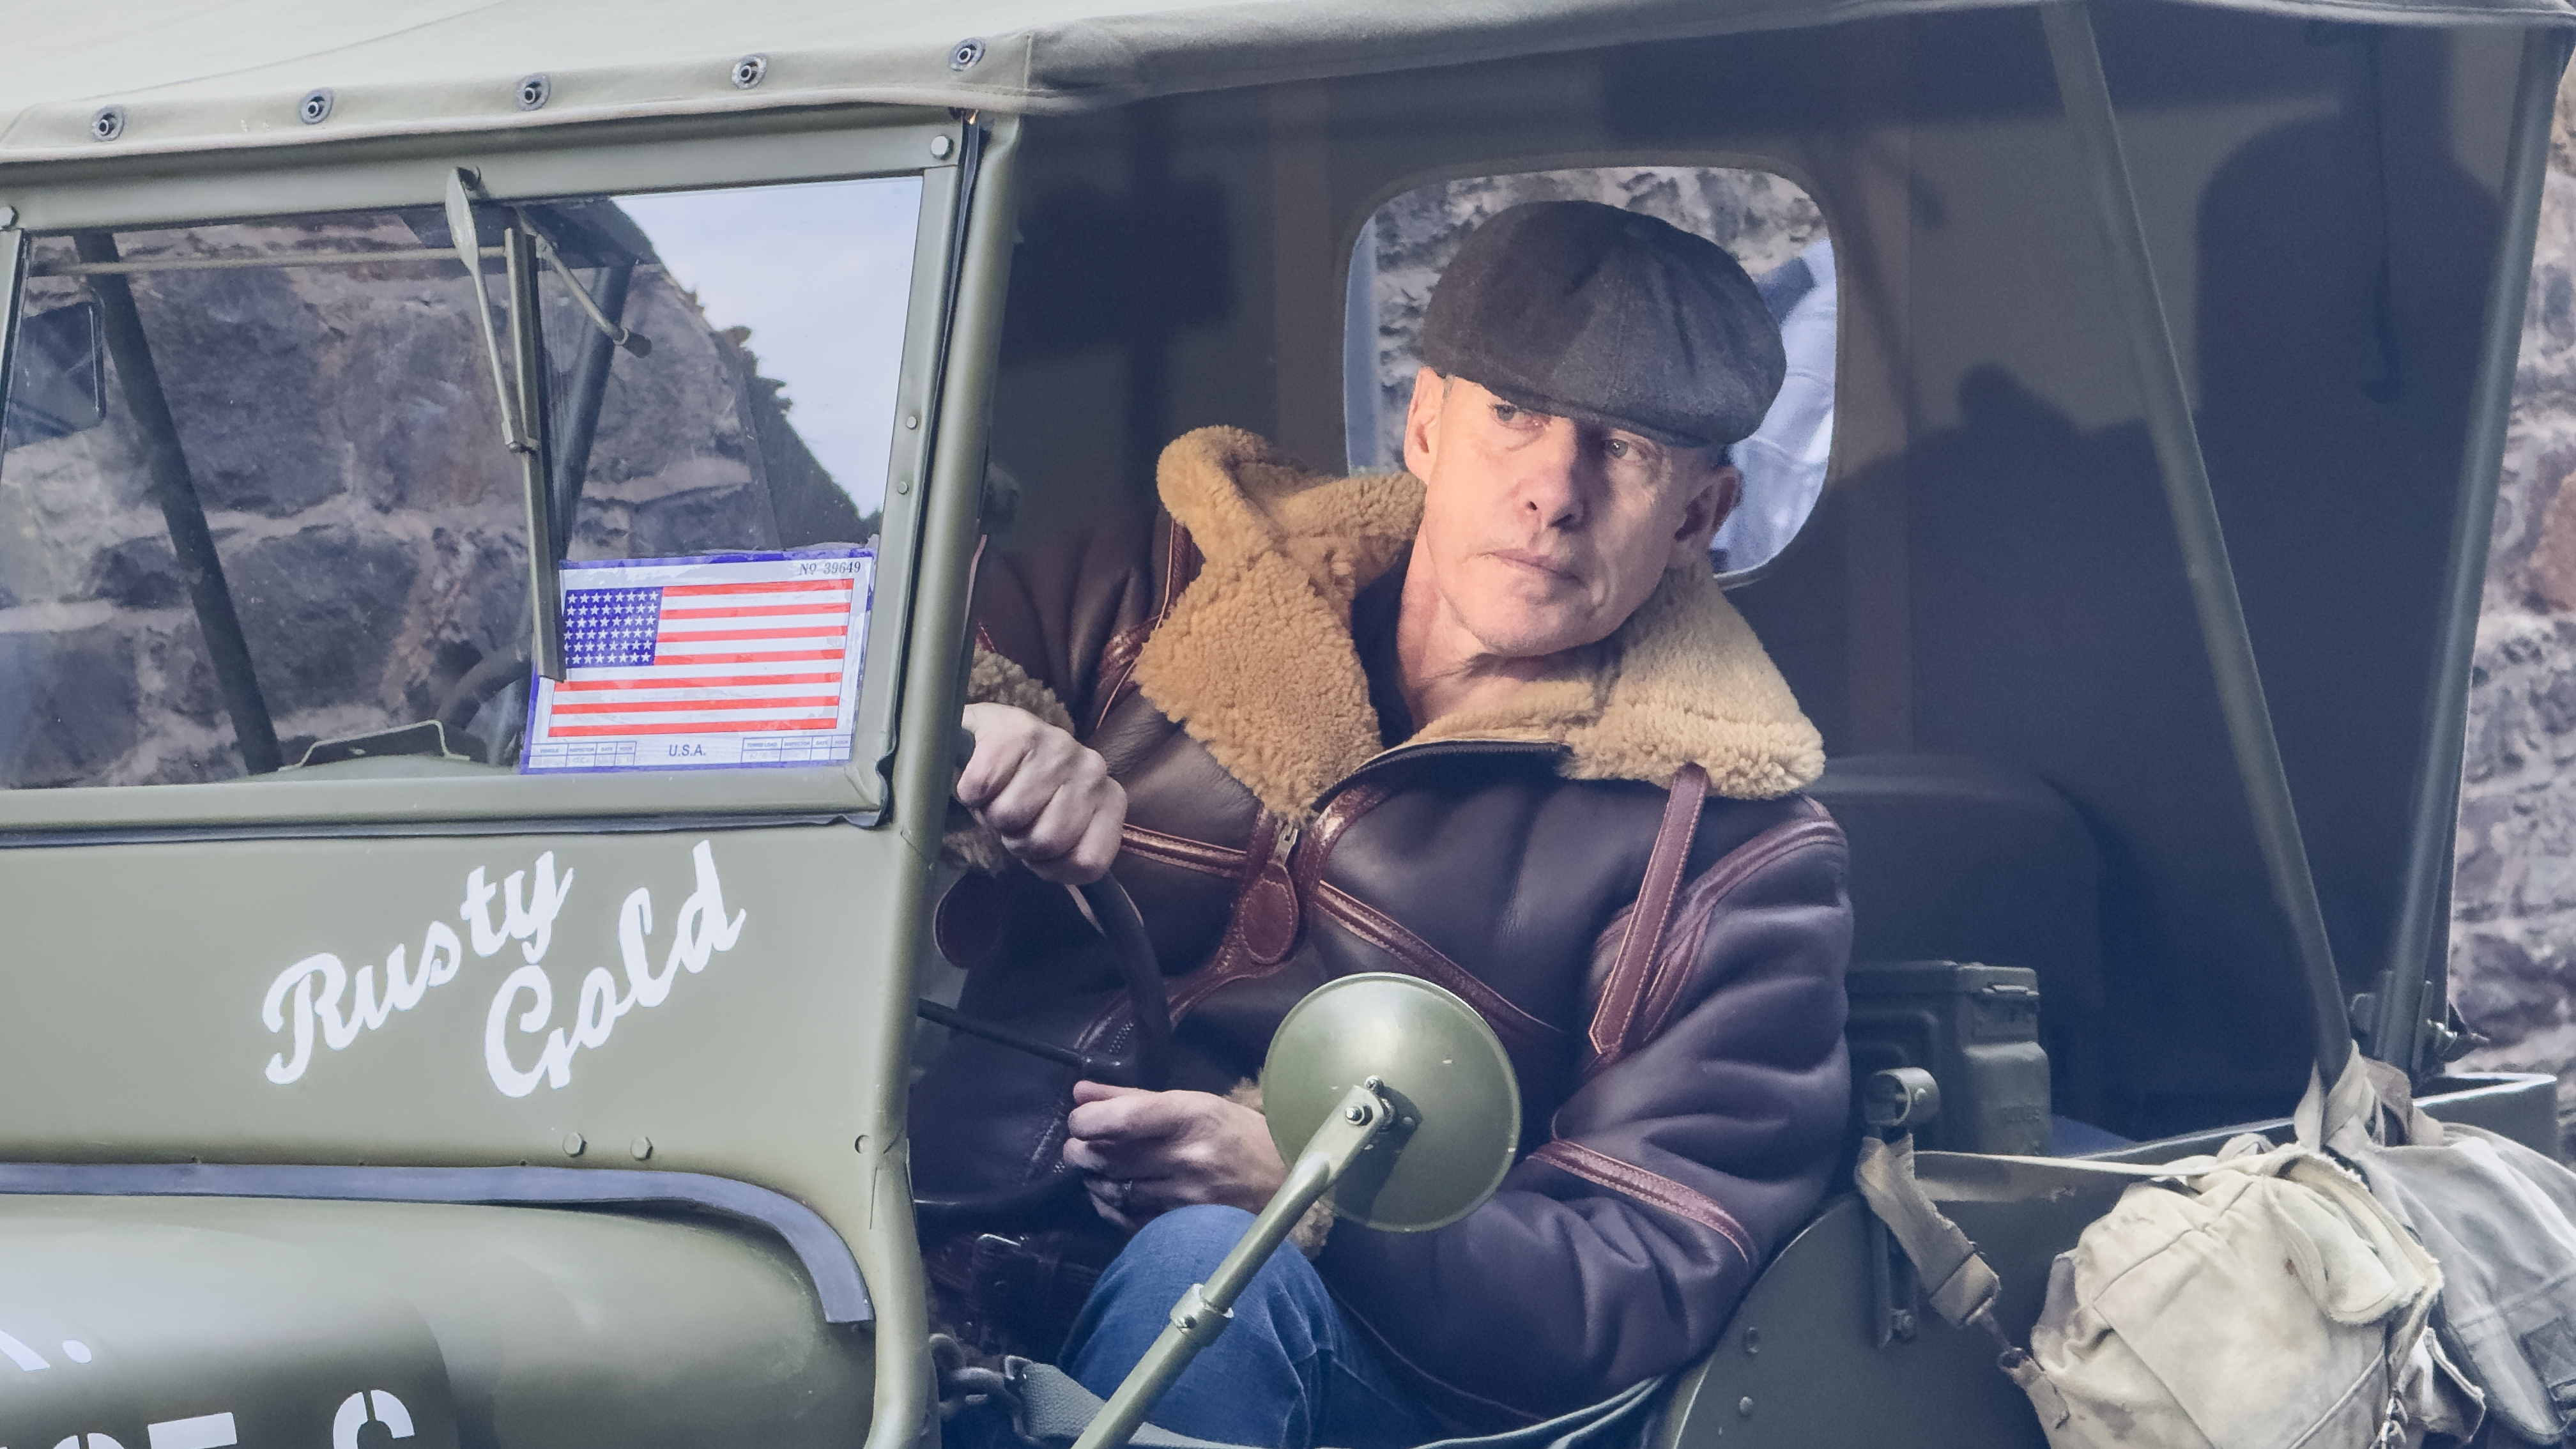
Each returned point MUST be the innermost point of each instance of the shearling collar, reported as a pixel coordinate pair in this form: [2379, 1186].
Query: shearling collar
[1256, 659]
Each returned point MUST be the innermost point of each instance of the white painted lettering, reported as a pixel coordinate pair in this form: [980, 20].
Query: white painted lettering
[698, 932]
[533, 923]
[477, 914]
[554, 1061]
[320, 1000]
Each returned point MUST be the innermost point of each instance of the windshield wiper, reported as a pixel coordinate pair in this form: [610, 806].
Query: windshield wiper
[523, 403]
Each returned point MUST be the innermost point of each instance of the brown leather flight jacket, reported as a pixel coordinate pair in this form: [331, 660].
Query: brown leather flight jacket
[1683, 1106]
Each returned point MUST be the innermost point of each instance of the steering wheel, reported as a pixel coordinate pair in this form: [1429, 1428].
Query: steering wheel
[1111, 910]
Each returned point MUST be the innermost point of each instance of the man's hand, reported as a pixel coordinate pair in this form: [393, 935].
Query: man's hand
[1145, 1153]
[1048, 796]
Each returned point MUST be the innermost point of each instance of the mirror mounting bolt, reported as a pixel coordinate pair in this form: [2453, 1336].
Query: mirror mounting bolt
[750, 71]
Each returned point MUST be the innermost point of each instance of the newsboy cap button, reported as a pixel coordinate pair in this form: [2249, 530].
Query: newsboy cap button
[1608, 317]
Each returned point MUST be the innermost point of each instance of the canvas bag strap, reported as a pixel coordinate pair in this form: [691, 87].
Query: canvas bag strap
[1958, 1281]
[1962, 1286]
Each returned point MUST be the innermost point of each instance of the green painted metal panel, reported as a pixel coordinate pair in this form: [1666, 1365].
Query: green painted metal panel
[216, 1321]
[680, 1001]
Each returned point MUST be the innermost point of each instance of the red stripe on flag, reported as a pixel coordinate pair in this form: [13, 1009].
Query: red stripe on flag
[812, 631]
[701, 681]
[775, 656]
[745, 728]
[700, 591]
[633, 706]
[761, 611]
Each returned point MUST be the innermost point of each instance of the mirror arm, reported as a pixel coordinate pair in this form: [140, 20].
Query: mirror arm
[1205, 1310]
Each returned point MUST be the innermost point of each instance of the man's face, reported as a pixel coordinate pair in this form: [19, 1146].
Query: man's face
[1546, 534]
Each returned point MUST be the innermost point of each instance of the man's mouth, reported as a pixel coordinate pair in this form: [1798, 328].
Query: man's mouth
[1535, 562]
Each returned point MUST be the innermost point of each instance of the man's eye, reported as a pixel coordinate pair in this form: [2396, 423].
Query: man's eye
[1616, 447]
[1505, 412]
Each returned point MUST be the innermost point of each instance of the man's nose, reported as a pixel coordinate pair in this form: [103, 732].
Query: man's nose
[1547, 475]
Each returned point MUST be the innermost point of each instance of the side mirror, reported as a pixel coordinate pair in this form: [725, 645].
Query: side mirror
[1388, 1094]
[58, 384]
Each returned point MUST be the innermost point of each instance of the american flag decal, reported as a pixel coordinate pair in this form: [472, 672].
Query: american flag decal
[744, 659]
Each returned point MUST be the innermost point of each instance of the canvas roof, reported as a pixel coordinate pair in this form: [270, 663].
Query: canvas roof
[232, 74]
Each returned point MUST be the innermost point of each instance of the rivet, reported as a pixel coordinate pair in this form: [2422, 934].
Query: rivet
[966, 54]
[749, 71]
[8, 217]
[861, 1144]
[534, 92]
[641, 1148]
[902, 485]
[1744, 1406]
[911, 421]
[940, 147]
[108, 124]
[1355, 1114]
[315, 108]
[573, 1144]
[1752, 1342]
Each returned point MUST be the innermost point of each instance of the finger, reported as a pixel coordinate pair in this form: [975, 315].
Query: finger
[1052, 761]
[1076, 837]
[1104, 1197]
[1001, 743]
[1091, 858]
[1067, 815]
[1131, 1117]
[1090, 1091]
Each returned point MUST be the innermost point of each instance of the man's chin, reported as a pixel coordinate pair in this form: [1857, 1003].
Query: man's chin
[1526, 636]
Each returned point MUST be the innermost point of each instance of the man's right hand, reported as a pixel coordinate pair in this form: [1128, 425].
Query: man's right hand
[1046, 794]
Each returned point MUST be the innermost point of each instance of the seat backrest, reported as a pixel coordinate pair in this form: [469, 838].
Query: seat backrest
[1966, 860]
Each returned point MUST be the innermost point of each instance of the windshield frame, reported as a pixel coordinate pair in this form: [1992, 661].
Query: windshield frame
[882, 142]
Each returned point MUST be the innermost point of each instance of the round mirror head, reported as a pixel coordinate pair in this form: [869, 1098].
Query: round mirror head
[1457, 1104]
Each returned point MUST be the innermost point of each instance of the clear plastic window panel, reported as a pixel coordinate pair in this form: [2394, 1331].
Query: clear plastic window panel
[258, 470]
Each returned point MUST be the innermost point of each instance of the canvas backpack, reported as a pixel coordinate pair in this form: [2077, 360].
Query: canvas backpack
[2261, 1298]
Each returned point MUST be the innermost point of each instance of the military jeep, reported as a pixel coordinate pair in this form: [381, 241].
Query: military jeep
[488, 507]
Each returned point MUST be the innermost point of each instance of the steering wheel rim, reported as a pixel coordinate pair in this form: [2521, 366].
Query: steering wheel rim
[1113, 912]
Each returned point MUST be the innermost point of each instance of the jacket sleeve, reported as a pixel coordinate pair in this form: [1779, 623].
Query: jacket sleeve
[1617, 1249]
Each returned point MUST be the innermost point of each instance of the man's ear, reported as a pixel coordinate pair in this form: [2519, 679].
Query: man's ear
[1713, 498]
[1422, 421]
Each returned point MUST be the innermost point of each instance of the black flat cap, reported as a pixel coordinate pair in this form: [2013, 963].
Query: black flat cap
[1608, 317]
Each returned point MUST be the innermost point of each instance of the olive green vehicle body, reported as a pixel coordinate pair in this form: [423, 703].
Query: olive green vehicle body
[1135, 223]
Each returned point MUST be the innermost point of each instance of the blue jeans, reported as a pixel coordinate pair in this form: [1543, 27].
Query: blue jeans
[1291, 1372]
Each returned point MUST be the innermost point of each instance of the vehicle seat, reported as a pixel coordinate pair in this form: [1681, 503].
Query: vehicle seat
[1962, 859]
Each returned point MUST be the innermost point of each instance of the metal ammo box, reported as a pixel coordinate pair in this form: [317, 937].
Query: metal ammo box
[1976, 1030]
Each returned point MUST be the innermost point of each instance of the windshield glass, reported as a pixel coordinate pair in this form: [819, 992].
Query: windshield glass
[256, 490]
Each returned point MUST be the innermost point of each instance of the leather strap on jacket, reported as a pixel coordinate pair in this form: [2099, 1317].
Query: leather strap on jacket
[1622, 996]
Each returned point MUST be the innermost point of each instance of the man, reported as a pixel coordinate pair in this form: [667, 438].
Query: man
[1489, 722]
